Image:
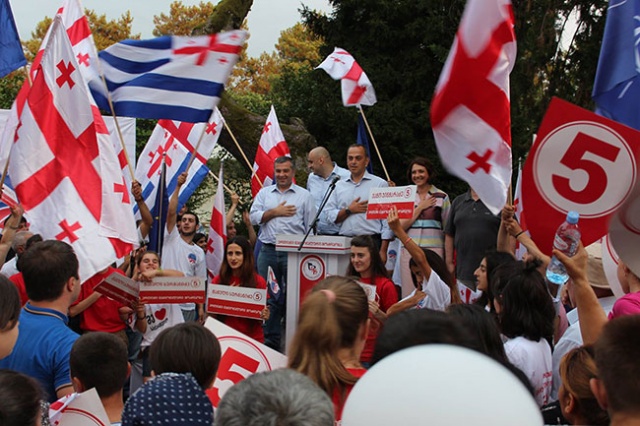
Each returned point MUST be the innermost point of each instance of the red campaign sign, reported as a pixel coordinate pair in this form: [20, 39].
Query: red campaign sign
[241, 357]
[173, 290]
[579, 161]
[119, 288]
[382, 199]
[236, 301]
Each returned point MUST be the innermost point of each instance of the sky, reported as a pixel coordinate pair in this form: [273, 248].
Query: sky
[265, 20]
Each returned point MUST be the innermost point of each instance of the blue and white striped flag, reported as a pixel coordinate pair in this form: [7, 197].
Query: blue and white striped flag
[171, 77]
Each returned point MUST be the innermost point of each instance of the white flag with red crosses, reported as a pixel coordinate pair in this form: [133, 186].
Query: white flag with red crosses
[272, 145]
[356, 86]
[214, 252]
[470, 112]
[60, 169]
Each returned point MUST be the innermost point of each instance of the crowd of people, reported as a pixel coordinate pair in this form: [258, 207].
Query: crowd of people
[448, 275]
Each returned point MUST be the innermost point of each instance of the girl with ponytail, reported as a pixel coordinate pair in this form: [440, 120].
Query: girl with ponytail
[332, 330]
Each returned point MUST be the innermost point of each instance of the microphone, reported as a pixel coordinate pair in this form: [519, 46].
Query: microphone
[335, 180]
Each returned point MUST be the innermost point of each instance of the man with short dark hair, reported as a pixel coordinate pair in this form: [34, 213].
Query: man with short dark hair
[617, 352]
[283, 208]
[347, 207]
[179, 251]
[50, 271]
[99, 360]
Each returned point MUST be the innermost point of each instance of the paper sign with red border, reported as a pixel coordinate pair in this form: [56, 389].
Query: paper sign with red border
[119, 288]
[370, 291]
[579, 161]
[79, 409]
[382, 199]
[236, 301]
[241, 357]
[173, 290]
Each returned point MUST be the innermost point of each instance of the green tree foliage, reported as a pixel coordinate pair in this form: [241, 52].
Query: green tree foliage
[182, 20]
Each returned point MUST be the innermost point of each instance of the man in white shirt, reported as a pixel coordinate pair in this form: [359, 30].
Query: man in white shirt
[283, 208]
[323, 173]
[180, 253]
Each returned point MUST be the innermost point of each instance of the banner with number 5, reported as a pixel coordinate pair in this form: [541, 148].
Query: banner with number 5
[579, 161]
[241, 357]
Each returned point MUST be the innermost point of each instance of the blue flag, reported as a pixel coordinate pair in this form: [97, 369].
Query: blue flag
[616, 90]
[11, 54]
[363, 139]
[159, 214]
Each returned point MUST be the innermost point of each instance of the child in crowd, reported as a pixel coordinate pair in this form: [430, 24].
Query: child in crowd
[332, 330]
[629, 304]
[185, 361]
[99, 360]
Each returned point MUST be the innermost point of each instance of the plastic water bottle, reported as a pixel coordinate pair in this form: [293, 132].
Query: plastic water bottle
[566, 240]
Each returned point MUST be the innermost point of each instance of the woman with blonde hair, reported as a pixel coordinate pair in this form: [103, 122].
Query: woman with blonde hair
[577, 401]
[332, 330]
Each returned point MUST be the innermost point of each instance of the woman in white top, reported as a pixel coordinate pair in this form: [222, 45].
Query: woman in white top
[526, 315]
[435, 288]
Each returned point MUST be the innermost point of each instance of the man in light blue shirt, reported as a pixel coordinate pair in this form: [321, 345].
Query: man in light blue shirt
[347, 206]
[323, 172]
[283, 208]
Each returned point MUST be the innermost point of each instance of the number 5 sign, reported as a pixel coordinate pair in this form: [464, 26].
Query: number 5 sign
[579, 161]
[241, 357]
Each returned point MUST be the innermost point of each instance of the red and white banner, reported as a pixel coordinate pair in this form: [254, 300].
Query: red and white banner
[120, 288]
[63, 173]
[173, 290]
[470, 112]
[236, 301]
[579, 161]
[79, 409]
[217, 240]
[272, 145]
[356, 87]
[241, 357]
[382, 199]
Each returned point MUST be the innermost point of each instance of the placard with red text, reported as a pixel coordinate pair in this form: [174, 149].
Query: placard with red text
[120, 288]
[382, 199]
[236, 301]
[173, 290]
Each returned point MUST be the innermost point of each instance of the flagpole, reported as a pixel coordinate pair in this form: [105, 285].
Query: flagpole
[226, 126]
[223, 184]
[375, 145]
[195, 150]
[115, 119]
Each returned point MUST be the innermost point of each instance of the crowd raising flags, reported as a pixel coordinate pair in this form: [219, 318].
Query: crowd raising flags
[470, 112]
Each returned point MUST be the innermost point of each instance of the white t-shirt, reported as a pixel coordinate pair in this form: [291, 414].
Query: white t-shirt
[184, 257]
[160, 317]
[534, 359]
[10, 268]
[438, 293]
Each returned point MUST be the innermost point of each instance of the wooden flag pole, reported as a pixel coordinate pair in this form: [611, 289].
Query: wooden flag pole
[195, 150]
[115, 119]
[375, 145]
[223, 184]
[226, 126]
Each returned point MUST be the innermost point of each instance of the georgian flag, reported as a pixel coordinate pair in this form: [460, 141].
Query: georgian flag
[178, 140]
[272, 145]
[356, 87]
[470, 112]
[63, 173]
[214, 252]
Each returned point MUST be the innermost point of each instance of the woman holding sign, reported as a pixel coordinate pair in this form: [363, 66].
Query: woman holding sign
[238, 269]
[151, 319]
[367, 266]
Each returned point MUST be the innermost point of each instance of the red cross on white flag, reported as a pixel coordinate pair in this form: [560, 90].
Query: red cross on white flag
[59, 167]
[272, 145]
[356, 87]
[217, 230]
[470, 112]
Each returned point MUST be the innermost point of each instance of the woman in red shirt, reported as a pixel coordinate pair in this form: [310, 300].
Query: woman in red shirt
[332, 328]
[367, 266]
[238, 270]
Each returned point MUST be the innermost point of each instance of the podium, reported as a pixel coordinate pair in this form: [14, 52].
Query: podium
[320, 256]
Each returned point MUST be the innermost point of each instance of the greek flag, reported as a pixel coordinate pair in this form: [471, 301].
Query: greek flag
[177, 78]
